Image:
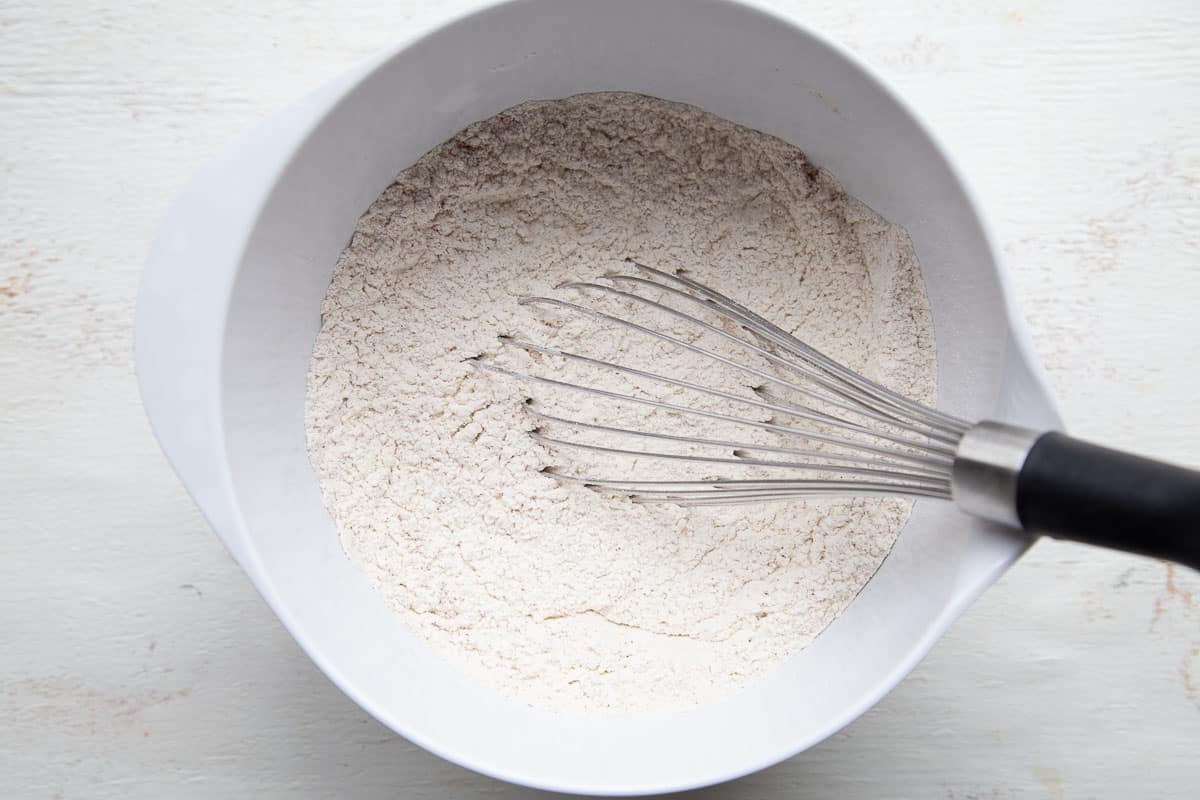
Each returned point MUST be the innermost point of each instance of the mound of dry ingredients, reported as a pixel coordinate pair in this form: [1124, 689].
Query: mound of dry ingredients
[558, 595]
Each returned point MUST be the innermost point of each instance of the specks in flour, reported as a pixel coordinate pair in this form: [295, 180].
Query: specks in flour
[556, 595]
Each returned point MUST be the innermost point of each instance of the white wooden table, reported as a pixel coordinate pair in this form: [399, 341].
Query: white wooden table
[137, 661]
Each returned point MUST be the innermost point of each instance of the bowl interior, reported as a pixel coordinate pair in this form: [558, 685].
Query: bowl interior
[738, 63]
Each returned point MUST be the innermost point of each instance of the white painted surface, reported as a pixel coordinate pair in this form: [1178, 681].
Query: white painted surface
[137, 660]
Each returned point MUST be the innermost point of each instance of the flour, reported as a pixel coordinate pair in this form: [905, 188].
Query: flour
[558, 595]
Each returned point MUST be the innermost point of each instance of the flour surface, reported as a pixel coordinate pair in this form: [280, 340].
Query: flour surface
[558, 595]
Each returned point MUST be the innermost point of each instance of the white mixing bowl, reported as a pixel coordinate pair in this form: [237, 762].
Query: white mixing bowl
[228, 313]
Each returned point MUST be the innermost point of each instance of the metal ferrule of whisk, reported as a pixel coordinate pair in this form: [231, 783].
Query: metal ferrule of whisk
[844, 434]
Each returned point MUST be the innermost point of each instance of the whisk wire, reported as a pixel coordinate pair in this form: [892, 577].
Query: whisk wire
[740, 461]
[818, 457]
[933, 457]
[802, 412]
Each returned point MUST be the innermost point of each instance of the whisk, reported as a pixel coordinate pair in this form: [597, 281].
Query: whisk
[831, 431]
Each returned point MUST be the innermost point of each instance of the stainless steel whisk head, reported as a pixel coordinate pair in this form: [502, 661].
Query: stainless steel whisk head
[831, 431]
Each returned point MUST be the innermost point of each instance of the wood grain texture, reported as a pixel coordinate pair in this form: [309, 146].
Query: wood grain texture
[138, 661]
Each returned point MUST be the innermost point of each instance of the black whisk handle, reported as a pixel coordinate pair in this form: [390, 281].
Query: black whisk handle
[1071, 489]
